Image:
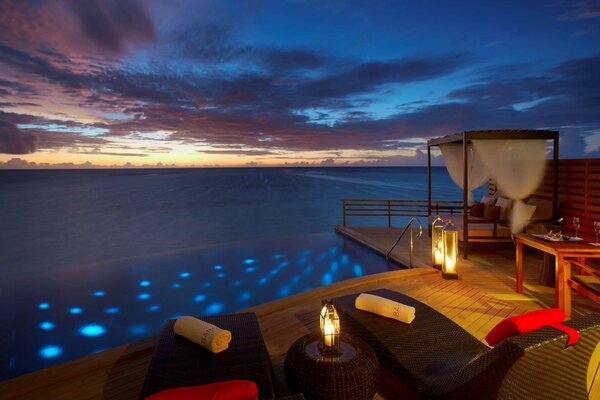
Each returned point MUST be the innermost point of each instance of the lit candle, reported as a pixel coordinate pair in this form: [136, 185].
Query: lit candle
[328, 336]
[438, 256]
[449, 264]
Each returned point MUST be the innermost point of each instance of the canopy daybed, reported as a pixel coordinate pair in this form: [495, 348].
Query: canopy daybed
[515, 159]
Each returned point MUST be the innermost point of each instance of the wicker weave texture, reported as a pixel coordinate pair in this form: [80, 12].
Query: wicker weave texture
[331, 378]
[438, 359]
[411, 351]
[178, 362]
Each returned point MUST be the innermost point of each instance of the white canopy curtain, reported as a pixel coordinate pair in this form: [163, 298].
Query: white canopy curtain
[518, 168]
[454, 160]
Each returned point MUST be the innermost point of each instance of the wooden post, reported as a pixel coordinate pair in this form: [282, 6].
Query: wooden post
[555, 189]
[587, 223]
[428, 179]
[465, 196]
[344, 211]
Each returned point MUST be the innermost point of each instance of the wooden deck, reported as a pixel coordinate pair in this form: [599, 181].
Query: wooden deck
[482, 296]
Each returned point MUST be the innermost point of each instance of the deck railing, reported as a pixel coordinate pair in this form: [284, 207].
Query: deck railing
[397, 208]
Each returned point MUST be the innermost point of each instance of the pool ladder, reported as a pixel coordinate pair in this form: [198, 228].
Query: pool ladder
[408, 227]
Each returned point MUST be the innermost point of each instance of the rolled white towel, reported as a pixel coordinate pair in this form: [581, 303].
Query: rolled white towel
[385, 307]
[206, 335]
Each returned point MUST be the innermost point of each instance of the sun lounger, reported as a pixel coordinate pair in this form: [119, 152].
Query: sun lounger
[178, 362]
[435, 358]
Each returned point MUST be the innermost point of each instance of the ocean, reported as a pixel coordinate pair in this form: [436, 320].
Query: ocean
[53, 219]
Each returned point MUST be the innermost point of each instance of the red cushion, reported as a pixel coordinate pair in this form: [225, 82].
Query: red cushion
[524, 323]
[228, 390]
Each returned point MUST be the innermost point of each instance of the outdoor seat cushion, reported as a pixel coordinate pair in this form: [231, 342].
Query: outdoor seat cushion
[478, 227]
[412, 352]
[178, 362]
[228, 390]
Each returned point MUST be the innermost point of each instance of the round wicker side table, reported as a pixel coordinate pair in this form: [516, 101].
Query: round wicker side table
[351, 376]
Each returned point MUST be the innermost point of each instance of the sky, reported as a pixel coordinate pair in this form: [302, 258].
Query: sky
[105, 83]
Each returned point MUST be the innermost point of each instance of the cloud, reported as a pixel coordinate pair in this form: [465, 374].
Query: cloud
[582, 9]
[19, 163]
[15, 141]
[365, 77]
[113, 25]
[242, 152]
[258, 100]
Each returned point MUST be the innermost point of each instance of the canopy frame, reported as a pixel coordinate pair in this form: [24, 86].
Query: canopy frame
[465, 138]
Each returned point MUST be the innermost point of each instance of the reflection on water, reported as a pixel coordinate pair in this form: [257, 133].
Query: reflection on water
[58, 316]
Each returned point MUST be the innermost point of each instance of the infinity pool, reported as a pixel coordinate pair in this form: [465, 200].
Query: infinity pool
[54, 317]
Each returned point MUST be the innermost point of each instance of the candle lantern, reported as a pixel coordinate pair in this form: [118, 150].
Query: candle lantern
[437, 247]
[330, 330]
[450, 254]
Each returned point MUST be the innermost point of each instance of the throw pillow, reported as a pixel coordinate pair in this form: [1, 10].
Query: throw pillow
[543, 211]
[227, 390]
[477, 209]
[488, 201]
[506, 206]
[529, 211]
[528, 322]
[492, 213]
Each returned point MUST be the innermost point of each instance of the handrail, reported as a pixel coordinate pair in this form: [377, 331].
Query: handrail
[391, 208]
[409, 225]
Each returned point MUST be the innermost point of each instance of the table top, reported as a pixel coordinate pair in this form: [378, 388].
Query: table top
[549, 246]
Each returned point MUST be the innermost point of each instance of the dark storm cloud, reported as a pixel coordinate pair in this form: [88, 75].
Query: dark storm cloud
[109, 24]
[14, 141]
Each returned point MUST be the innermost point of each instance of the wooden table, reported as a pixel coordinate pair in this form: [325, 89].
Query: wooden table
[560, 250]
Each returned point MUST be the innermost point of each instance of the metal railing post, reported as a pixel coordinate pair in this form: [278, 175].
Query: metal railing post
[344, 211]
[409, 226]
[411, 246]
[389, 214]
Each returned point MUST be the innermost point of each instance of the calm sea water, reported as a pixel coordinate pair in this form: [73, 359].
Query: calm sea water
[55, 219]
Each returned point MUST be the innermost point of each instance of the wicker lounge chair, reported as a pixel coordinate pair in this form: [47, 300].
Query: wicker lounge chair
[178, 362]
[435, 358]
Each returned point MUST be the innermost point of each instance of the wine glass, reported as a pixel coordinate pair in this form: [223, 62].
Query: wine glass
[576, 225]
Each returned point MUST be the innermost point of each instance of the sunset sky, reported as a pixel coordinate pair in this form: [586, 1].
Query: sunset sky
[236, 83]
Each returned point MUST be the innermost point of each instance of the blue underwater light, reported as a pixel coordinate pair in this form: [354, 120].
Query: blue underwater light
[92, 330]
[47, 325]
[50, 351]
